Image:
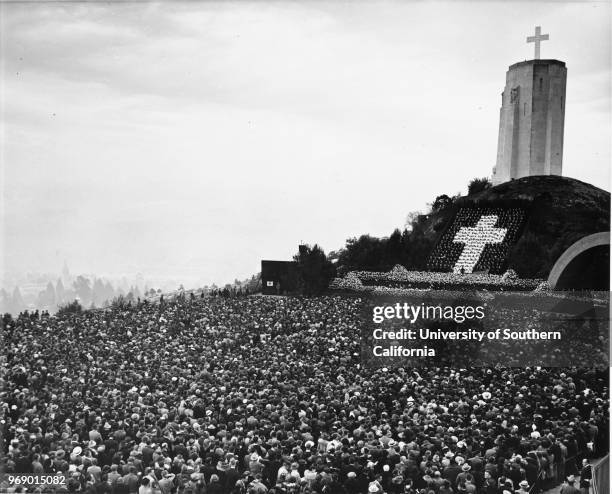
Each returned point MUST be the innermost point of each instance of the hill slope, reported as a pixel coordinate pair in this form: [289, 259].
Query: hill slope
[561, 210]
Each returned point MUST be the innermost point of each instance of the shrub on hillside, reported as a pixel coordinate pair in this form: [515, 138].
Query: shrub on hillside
[69, 308]
[478, 185]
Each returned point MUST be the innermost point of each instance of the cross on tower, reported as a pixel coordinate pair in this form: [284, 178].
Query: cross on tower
[475, 239]
[539, 37]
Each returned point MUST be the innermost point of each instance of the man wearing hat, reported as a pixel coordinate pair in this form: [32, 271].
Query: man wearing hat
[465, 473]
[569, 486]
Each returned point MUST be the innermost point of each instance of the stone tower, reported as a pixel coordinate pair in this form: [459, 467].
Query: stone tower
[531, 119]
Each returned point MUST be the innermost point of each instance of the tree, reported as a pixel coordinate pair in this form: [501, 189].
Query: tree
[17, 303]
[5, 301]
[412, 218]
[46, 298]
[442, 202]
[393, 250]
[314, 270]
[477, 185]
[60, 292]
[109, 292]
[82, 287]
[365, 252]
[97, 293]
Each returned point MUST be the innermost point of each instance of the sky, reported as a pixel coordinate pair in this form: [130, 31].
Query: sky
[190, 140]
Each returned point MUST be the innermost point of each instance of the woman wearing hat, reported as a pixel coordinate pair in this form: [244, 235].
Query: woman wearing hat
[523, 487]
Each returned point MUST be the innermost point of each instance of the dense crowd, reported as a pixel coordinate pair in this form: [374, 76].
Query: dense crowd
[269, 394]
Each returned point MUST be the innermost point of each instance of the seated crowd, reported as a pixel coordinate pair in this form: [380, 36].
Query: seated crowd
[492, 259]
[258, 394]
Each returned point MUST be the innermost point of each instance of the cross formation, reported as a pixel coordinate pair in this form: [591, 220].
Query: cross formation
[475, 239]
[537, 39]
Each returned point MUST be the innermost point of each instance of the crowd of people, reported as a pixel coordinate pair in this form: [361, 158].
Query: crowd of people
[494, 227]
[269, 394]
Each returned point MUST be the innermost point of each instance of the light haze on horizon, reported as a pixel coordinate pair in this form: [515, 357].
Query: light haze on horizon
[190, 140]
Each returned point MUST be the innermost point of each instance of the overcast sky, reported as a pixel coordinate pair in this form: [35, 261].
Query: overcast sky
[192, 139]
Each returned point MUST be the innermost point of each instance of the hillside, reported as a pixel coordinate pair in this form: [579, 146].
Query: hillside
[560, 210]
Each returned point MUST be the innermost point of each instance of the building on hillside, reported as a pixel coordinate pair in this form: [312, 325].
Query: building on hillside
[278, 277]
[532, 118]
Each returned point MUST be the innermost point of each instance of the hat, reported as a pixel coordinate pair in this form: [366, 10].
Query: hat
[571, 479]
[373, 488]
[524, 483]
[465, 467]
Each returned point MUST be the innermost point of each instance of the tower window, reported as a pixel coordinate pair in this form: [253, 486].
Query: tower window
[541, 81]
[524, 109]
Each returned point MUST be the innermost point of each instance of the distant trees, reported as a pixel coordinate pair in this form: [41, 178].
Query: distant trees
[314, 270]
[12, 302]
[90, 291]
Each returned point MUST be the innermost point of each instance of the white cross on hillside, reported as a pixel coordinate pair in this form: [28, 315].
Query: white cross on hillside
[475, 239]
[537, 39]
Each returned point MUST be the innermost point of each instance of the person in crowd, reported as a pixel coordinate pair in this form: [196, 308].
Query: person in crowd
[569, 486]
